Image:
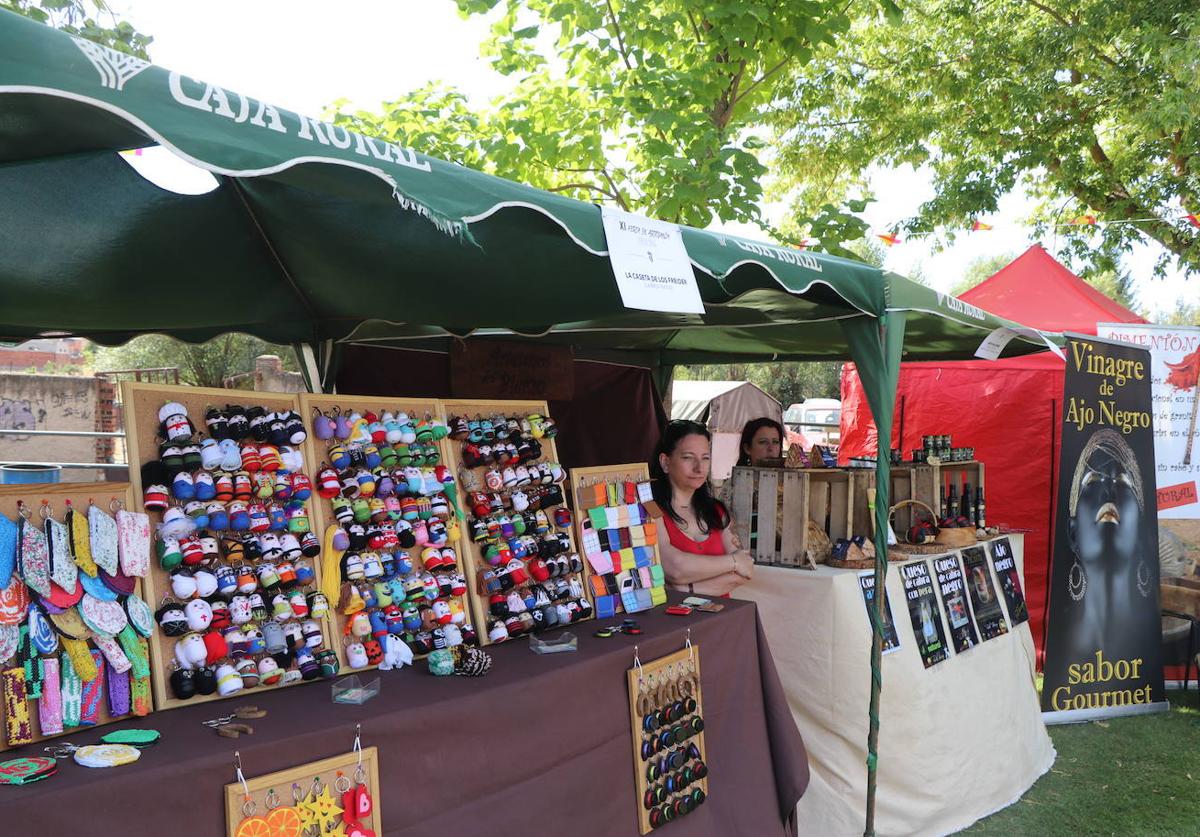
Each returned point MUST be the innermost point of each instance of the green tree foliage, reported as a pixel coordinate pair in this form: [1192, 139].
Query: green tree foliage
[1090, 105]
[787, 382]
[654, 106]
[1184, 314]
[200, 364]
[91, 19]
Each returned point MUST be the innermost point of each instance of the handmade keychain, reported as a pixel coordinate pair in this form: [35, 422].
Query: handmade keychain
[356, 800]
[63, 571]
[33, 555]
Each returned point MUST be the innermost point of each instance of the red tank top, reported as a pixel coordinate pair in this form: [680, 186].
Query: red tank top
[712, 545]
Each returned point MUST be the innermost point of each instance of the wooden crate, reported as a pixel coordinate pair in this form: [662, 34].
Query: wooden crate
[817, 494]
[633, 472]
[315, 453]
[470, 552]
[58, 494]
[141, 404]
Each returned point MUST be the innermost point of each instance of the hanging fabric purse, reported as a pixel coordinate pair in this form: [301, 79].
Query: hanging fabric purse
[102, 536]
[33, 554]
[77, 525]
[133, 542]
[8, 550]
[63, 571]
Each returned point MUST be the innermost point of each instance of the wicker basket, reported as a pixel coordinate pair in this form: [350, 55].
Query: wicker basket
[944, 539]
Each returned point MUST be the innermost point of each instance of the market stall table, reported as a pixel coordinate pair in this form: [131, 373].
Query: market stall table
[957, 741]
[541, 744]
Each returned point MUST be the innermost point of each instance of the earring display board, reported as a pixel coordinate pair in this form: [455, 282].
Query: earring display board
[394, 577]
[236, 577]
[524, 572]
[338, 795]
[619, 536]
[666, 716]
[70, 654]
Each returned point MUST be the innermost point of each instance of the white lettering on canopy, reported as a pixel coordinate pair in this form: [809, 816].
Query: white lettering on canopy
[216, 100]
[781, 253]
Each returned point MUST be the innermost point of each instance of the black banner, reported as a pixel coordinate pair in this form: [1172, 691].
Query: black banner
[988, 613]
[1104, 631]
[924, 612]
[949, 576]
[1005, 566]
[866, 583]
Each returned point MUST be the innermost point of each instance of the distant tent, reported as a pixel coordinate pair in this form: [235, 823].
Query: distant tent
[723, 407]
[1008, 410]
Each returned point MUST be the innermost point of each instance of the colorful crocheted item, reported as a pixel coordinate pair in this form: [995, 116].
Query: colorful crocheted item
[17, 727]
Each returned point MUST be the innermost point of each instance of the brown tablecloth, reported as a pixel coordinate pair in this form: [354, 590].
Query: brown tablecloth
[541, 745]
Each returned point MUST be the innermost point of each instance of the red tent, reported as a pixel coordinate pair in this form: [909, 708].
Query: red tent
[1008, 410]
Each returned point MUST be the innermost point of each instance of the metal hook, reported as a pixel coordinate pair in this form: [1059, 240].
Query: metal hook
[241, 777]
[358, 743]
[115, 505]
[637, 663]
[46, 511]
[687, 643]
[23, 510]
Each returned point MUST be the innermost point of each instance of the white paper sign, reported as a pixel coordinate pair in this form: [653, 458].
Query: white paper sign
[994, 343]
[650, 263]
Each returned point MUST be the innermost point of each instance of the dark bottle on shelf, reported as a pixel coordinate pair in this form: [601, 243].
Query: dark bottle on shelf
[980, 510]
[966, 508]
[952, 505]
[944, 508]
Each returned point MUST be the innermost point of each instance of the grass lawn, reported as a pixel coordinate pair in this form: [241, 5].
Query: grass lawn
[1138, 775]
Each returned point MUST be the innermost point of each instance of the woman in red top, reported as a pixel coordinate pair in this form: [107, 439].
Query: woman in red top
[701, 554]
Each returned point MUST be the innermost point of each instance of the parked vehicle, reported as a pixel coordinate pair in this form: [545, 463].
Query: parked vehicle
[816, 419]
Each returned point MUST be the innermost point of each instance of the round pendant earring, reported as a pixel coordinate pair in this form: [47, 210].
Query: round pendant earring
[1077, 581]
[1143, 579]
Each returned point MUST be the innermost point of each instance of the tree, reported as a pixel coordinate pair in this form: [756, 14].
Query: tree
[1091, 106]
[650, 106]
[90, 19]
[1184, 314]
[200, 364]
[789, 383]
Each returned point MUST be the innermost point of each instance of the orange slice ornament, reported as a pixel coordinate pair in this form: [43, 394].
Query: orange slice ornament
[284, 822]
[254, 827]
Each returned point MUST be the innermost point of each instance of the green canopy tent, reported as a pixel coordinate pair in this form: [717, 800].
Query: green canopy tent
[318, 236]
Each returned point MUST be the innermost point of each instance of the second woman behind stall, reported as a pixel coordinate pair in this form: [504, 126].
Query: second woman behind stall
[701, 553]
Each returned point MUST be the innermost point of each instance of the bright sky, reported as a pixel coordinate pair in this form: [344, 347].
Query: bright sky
[303, 54]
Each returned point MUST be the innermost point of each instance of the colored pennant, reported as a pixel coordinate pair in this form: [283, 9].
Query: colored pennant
[1193, 220]
[890, 239]
[1083, 221]
[979, 226]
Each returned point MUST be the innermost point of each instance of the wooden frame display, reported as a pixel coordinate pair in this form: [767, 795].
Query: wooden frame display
[636, 563]
[141, 404]
[58, 495]
[318, 453]
[574, 604]
[834, 500]
[670, 763]
[267, 806]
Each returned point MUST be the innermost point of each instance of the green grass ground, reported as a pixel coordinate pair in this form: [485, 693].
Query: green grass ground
[1125, 776]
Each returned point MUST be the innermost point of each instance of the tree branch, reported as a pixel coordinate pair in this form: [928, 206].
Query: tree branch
[612, 13]
[761, 79]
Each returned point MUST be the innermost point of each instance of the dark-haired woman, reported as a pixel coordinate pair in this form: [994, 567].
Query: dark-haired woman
[762, 442]
[701, 554]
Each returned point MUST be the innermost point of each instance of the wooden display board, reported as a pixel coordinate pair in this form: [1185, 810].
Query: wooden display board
[316, 453]
[288, 802]
[659, 680]
[79, 494]
[470, 551]
[924, 482]
[141, 404]
[637, 472]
